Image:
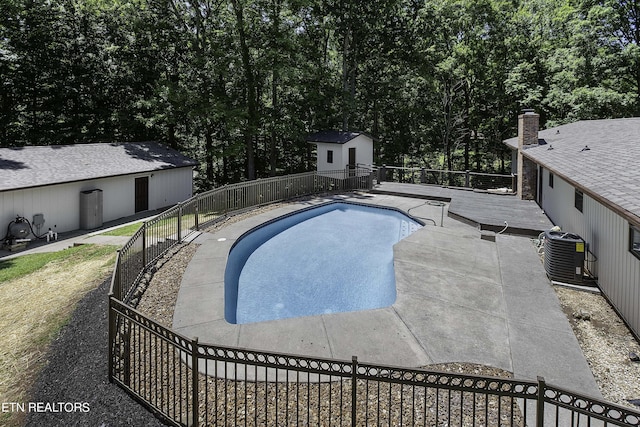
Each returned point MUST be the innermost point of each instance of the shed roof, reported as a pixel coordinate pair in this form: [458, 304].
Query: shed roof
[334, 137]
[609, 170]
[34, 166]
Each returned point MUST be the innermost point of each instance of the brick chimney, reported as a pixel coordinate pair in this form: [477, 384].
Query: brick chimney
[528, 124]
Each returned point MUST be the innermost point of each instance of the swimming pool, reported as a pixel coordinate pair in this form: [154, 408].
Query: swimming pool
[331, 258]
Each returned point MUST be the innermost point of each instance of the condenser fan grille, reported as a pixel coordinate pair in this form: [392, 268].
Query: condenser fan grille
[564, 257]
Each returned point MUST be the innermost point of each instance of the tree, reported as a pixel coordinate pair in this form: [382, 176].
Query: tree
[238, 84]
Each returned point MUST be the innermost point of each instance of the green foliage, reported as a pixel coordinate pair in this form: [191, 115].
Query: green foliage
[238, 84]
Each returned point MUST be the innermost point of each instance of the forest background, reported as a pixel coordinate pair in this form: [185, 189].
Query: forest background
[239, 84]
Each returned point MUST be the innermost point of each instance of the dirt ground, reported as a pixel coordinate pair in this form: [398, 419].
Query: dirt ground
[606, 342]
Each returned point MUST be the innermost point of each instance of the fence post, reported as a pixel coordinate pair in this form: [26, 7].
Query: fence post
[117, 276]
[354, 381]
[225, 198]
[126, 338]
[180, 222]
[144, 245]
[196, 210]
[466, 179]
[112, 335]
[514, 183]
[540, 402]
[194, 382]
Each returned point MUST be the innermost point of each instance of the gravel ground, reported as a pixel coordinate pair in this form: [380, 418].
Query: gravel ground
[77, 368]
[160, 297]
[606, 344]
[77, 373]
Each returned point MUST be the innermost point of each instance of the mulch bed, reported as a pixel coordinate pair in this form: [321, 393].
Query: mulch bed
[76, 373]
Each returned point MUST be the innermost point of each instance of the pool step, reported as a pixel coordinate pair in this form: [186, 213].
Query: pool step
[406, 228]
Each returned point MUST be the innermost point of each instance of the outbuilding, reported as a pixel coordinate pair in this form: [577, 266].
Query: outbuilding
[585, 176]
[340, 150]
[70, 187]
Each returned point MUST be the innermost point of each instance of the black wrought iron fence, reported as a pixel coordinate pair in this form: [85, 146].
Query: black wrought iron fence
[234, 386]
[188, 383]
[130, 266]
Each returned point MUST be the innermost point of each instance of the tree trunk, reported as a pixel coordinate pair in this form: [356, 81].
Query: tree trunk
[467, 126]
[252, 113]
[275, 81]
[376, 128]
[171, 136]
[273, 152]
[346, 80]
[477, 150]
[209, 157]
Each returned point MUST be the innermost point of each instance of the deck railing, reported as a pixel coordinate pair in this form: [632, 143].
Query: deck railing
[235, 386]
[458, 179]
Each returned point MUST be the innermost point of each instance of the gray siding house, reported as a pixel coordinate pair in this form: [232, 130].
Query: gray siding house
[57, 183]
[586, 178]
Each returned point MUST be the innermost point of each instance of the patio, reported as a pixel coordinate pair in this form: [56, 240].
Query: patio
[460, 298]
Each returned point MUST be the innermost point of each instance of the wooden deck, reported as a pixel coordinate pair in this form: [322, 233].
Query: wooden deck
[488, 211]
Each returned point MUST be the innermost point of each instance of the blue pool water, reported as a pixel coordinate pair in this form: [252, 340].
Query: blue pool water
[336, 257]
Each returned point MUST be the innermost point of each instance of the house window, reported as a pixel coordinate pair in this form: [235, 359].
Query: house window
[329, 156]
[634, 241]
[550, 180]
[578, 200]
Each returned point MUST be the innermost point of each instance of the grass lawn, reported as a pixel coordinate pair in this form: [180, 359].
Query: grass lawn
[125, 230]
[38, 293]
[163, 228]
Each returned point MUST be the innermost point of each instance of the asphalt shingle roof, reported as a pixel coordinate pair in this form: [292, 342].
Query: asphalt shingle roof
[332, 136]
[34, 166]
[610, 168]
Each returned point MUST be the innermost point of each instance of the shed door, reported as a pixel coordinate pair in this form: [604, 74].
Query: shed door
[142, 194]
[352, 161]
[352, 157]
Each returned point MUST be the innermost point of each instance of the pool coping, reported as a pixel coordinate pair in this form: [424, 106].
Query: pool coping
[481, 302]
[307, 213]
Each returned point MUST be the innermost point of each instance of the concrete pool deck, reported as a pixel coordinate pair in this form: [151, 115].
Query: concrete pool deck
[460, 299]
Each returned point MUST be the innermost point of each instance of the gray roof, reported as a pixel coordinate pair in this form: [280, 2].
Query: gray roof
[333, 136]
[608, 170]
[34, 166]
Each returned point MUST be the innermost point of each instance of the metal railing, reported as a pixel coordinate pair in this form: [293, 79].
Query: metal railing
[235, 386]
[160, 234]
[463, 179]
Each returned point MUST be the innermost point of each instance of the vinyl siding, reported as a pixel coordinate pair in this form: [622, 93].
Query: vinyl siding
[60, 204]
[169, 187]
[607, 235]
[364, 153]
